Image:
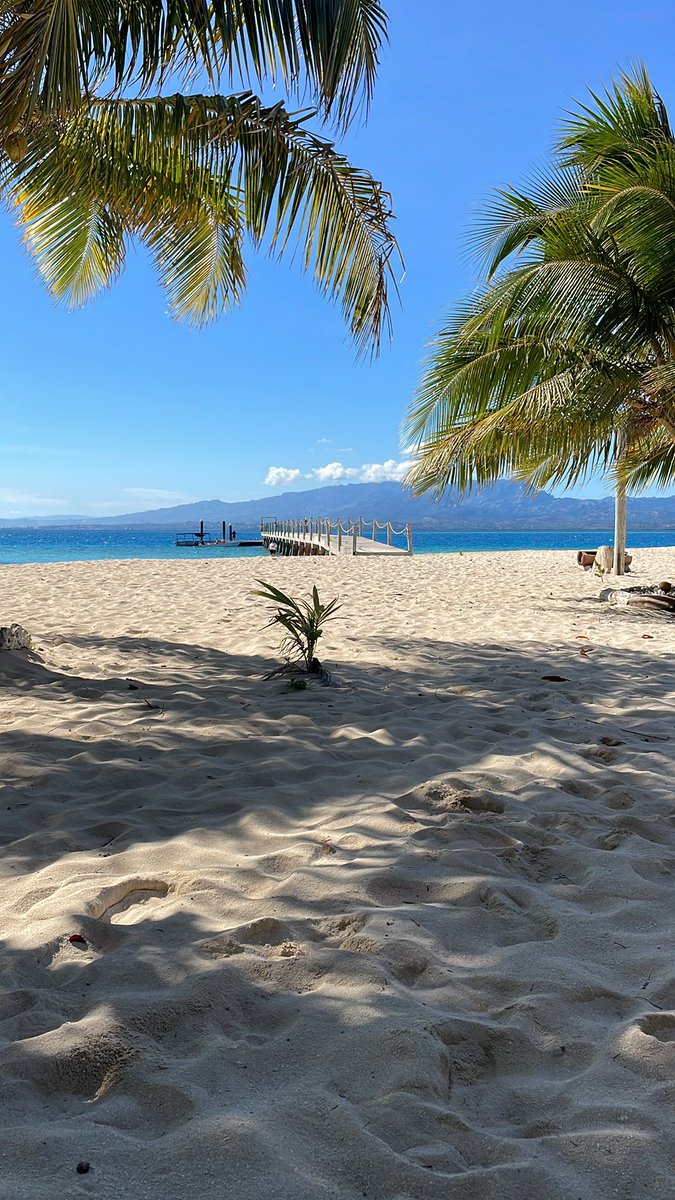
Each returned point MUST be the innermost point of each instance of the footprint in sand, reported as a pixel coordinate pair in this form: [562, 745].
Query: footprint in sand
[128, 902]
[144, 1110]
[541, 864]
[74, 1059]
[134, 908]
[339, 928]
[518, 906]
[659, 1025]
[581, 788]
[656, 870]
[618, 798]
[439, 796]
[106, 832]
[266, 933]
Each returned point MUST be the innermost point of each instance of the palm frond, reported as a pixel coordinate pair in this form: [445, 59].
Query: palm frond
[199, 260]
[190, 174]
[649, 460]
[613, 126]
[565, 357]
[78, 243]
[557, 431]
[514, 219]
[53, 55]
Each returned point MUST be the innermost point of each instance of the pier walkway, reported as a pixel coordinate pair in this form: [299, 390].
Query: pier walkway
[318, 535]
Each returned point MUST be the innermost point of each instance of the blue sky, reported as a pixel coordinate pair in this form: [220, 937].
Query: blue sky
[116, 408]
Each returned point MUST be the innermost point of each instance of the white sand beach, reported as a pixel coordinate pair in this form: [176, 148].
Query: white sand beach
[406, 937]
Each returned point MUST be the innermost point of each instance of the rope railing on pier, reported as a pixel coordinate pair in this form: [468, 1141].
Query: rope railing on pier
[332, 537]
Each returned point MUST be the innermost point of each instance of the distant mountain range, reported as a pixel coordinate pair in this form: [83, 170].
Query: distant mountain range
[505, 505]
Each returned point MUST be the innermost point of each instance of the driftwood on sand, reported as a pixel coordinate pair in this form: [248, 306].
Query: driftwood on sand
[651, 599]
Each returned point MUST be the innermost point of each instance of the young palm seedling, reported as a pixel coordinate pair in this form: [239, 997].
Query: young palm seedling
[303, 624]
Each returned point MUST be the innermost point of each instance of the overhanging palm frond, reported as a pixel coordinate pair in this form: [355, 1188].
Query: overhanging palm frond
[188, 175]
[54, 54]
[78, 243]
[199, 260]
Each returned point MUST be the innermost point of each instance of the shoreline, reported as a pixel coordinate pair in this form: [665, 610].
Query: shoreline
[420, 552]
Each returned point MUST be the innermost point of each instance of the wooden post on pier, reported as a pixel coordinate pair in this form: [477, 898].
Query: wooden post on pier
[319, 536]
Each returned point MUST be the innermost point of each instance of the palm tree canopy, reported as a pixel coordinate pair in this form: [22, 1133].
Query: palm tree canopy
[87, 166]
[566, 350]
[55, 55]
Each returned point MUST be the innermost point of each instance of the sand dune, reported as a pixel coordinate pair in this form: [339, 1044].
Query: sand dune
[407, 937]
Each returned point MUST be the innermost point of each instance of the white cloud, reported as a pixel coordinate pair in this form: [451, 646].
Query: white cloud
[334, 472]
[337, 472]
[280, 475]
[389, 471]
[323, 441]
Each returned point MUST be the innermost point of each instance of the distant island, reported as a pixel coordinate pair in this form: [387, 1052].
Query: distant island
[506, 505]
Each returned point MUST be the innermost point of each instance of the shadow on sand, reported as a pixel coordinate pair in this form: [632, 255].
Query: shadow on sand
[361, 1009]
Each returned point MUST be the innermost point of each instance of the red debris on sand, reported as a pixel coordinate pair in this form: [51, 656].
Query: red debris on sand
[77, 937]
[648, 635]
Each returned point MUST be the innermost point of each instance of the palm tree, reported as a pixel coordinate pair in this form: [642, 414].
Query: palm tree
[93, 151]
[563, 363]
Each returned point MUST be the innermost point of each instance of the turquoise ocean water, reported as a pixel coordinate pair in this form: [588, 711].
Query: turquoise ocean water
[83, 545]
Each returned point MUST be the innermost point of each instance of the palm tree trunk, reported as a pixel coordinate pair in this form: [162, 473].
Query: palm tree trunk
[620, 522]
[620, 511]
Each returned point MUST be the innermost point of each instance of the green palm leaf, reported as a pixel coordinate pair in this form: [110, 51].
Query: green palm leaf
[55, 53]
[78, 244]
[189, 176]
[563, 365]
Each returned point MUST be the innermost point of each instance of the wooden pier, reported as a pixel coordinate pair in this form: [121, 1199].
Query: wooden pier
[321, 536]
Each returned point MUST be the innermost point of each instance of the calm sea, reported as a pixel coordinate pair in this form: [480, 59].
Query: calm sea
[82, 545]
